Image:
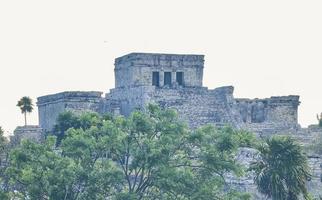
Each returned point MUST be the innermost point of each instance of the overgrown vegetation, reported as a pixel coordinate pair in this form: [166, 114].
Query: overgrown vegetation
[3, 158]
[149, 155]
[282, 170]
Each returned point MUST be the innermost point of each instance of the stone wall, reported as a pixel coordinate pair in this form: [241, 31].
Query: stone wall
[307, 137]
[34, 133]
[315, 184]
[196, 104]
[200, 106]
[272, 109]
[245, 183]
[136, 69]
[128, 99]
[50, 106]
[270, 115]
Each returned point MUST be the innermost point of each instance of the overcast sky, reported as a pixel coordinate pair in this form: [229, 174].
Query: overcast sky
[262, 48]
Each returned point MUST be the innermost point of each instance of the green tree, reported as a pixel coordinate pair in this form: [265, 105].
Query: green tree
[149, 155]
[67, 120]
[64, 122]
[26, 106]
[36, 171]
[282, 170]
[3, 142]
[159, 157]
[40, 171]
[3, 159]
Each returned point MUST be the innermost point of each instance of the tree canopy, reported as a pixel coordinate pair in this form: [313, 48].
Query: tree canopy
[149, 155]
[3, 157]
[282, 170]
[3, 141]
[26, 106]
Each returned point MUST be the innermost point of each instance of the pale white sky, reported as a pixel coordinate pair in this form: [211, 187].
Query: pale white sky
[263, 48]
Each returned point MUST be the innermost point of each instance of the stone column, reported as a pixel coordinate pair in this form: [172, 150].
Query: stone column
[161, 78]
[249, 113]
[173, 78]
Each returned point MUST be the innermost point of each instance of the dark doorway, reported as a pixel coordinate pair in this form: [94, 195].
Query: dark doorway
[167, 78]
[179, 76]
[258, 113]
[155, 79]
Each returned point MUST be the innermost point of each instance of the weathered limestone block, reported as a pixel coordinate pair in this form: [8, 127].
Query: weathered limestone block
[200, 106]
[315, 184]
[135, 69]
[271, 115]
[174, 81]
[33, 133]
[245, 183]
[50, 106]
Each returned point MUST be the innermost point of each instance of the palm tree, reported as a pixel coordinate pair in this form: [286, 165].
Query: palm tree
[26, 106]
[282, 170]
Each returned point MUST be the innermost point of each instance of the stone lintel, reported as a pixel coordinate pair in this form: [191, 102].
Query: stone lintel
[274, 100]
[159, 59]
[70, 95]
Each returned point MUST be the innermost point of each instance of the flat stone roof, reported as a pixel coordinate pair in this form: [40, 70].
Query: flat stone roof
[69, 94]
[135, 56]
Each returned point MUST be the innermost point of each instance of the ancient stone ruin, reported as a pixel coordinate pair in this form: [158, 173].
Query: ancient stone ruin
[176, 81]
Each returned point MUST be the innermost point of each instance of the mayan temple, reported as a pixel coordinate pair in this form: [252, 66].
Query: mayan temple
[176, 81]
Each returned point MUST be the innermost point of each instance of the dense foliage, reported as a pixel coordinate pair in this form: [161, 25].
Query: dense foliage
[282, 170]
[3, 141]
[149, 155]
[3, 157]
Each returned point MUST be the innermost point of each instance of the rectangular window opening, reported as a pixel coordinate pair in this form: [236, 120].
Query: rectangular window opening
[155, 79]
[167, 78]
[179, 77]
